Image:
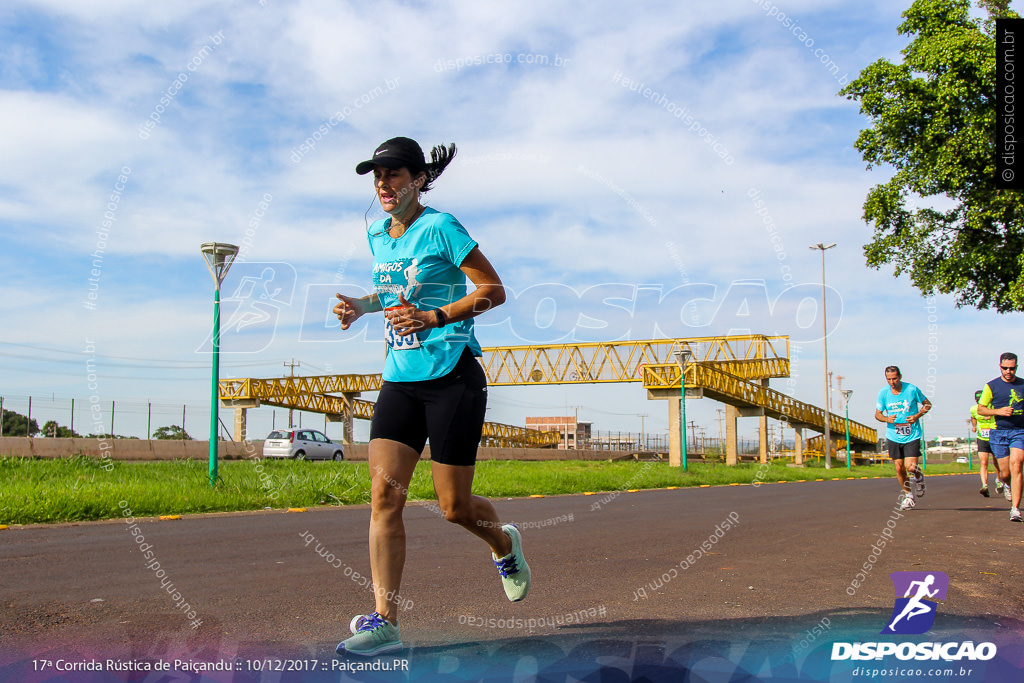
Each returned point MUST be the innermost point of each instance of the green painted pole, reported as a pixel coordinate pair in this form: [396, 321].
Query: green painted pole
[216, 382]
[848, 436]
[682, 420]
[924, 449]
[969, 465]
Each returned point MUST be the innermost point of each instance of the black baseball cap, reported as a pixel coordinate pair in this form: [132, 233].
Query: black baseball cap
[395, 153]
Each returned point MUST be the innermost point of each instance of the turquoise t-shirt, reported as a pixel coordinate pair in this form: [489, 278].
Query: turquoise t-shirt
[903, 404]
[423, 266]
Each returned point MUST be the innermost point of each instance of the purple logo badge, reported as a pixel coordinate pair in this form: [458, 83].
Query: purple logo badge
[914, 612]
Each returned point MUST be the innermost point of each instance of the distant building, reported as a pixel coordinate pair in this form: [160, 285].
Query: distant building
[945, 444]
[575, 434]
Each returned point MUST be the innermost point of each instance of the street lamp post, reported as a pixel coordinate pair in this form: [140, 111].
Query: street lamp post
[218, 257]
[824, 338]
[847, 393]
[682, 357]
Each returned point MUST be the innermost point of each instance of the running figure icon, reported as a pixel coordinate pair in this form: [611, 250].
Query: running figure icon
[914, 612]
[915, 607]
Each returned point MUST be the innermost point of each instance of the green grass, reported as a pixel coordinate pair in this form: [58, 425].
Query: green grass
[79, 488]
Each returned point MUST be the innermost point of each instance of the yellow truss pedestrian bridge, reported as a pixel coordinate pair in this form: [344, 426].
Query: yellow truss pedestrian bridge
[734, 370]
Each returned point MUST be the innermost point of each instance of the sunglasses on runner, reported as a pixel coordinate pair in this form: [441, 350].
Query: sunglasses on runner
[1008, 368]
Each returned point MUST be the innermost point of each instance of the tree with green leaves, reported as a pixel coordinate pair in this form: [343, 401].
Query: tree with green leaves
[941, 218]
[16, 424]
[171, 432]
[52, 429]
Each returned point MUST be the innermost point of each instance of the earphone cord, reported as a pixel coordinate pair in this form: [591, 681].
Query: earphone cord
[366, 221]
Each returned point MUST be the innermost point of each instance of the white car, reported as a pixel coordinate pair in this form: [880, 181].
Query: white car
[961, 459]
[301, 444]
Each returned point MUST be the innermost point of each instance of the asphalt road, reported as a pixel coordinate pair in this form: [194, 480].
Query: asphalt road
[620, 580]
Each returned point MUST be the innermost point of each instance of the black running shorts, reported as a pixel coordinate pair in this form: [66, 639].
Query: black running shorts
[984, 446]
[911, 449]
[447, 410]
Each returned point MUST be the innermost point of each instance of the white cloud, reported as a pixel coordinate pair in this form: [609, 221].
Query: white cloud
[563, 175]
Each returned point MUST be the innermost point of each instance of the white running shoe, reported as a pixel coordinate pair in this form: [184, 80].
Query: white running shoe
[1007, 493]
[908, 502]
[1015, 515]
[515, 573]
[374, 636]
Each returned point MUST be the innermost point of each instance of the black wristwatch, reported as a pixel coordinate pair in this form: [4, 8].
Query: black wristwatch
[440, 317]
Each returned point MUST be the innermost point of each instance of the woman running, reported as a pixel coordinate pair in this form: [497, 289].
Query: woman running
[433, 386]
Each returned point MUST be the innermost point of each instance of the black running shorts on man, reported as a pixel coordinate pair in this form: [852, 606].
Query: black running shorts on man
[448, 410]
[898, 451]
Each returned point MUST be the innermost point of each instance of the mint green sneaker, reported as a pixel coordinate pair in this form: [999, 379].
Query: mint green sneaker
[374, 636]
[358, 621]
[515, 573]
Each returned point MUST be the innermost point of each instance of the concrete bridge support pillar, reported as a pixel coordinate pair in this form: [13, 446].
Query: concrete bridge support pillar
[240, 424]
[762, 437]
[732, 413]
[675, 451]
[345, 418]
[241, 406]
[347, 430]
[762, 431]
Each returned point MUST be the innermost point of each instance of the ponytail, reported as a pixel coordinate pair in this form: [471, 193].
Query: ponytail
[440, 157]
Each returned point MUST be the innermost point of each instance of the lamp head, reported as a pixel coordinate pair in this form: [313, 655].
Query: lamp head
[219, 257]
[683, 355]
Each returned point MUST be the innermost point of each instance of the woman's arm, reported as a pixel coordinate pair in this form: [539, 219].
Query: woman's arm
[349, 309]
[489, 293]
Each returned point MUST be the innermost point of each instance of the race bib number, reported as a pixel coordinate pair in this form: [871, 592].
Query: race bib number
[903, 429]
[398, 342]
[983, 433]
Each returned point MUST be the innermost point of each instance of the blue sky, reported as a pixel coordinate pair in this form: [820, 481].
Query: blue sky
[577, 183]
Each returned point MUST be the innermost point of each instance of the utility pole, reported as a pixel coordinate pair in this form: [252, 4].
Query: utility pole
[643, 441]
[720, 413]
[839, 384]
[293, 364]
[824, 340]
